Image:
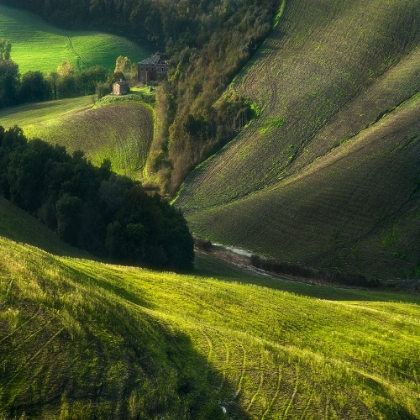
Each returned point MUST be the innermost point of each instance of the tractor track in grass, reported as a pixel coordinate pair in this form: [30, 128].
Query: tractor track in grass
[223, 359]
[260, 385]
[20, 327]
[34, 356]
[209, 344]
[26, 340]
[276, 394]
[242, 370]
[293, 396]
[307, 405]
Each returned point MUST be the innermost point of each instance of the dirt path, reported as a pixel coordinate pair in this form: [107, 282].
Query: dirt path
[241, 259]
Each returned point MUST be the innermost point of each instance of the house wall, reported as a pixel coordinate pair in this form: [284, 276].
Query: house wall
[118, 89]
[149, 72]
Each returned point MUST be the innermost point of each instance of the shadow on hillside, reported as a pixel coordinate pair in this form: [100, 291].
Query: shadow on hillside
[124, 365]
[19, 226]
[29, 107]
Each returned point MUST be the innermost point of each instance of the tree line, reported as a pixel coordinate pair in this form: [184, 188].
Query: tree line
[90, 207]
[33, 86]
[207, 43]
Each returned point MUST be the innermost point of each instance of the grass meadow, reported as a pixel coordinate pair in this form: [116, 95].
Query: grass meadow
[37, 45]
[118, 129]
[331, 161]
[84, 339]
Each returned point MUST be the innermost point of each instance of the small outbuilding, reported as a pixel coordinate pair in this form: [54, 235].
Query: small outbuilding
[121, 88]
[152, 69]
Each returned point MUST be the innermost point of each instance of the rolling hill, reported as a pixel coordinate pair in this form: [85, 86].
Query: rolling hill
[37, 45]
[118, 129]
[83, 339]
[328, 174]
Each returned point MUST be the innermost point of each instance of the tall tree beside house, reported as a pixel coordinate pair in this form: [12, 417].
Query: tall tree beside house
[123, 65]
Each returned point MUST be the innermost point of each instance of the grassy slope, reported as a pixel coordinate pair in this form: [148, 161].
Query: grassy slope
[328, 174]
[81, 338]
[119, 129]
[39, 46]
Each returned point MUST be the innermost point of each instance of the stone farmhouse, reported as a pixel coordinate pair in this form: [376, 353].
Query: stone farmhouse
[120, 88]
[152, 69]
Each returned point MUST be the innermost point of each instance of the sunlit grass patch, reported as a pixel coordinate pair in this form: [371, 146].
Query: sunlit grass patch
[256, 350]
[37, 45]
[120, 129]
[274, 123]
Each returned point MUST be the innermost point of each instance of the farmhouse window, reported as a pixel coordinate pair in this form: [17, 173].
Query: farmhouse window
[147, 68]
[163, 68]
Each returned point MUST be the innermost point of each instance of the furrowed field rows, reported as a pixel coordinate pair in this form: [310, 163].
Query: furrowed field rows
[339, 200]
[304, 75]
[328, 169]
[122, 133]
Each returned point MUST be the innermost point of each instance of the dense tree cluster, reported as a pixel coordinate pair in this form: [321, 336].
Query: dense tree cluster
[207, 43]
[92, 208]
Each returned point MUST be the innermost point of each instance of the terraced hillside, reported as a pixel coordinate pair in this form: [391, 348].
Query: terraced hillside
[120, 129]
[39, 46]
[328, 174]
[80, 338]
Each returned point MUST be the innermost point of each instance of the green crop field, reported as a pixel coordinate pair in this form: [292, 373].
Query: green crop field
[84, 339]
[328, 173]
[118, 129]
[39, 46]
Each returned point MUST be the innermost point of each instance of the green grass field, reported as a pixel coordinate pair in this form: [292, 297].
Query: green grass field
[118, 129]
[39, 46]
[328, 174]
[83, 339]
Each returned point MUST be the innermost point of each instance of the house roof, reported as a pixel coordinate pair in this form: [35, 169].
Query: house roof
[155, 59]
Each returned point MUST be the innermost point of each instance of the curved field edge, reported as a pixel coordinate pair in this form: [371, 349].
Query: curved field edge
[119, 130]
[320, 84]
[354, 210]
[82, 337]
[31, 37]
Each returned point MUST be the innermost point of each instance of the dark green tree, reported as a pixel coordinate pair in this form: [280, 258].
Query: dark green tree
[9, 83]
[69, 218]
[34, 88]
[90, 207]
[11, 141]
